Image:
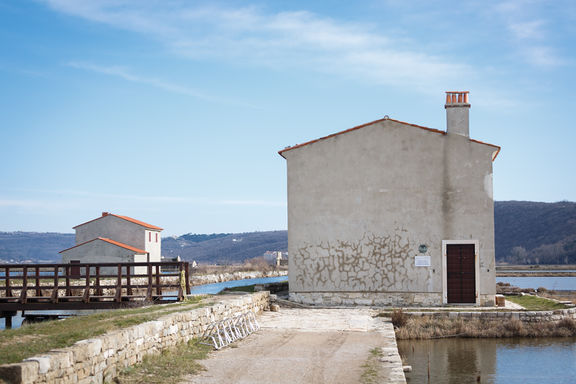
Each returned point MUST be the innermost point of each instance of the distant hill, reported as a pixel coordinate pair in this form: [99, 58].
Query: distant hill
[526, 233]
[530, 232]
[33, 247]
[225, 248]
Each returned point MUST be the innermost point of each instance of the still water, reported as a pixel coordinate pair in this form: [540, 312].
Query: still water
[511, 361]
[554, 283]
[206, 289]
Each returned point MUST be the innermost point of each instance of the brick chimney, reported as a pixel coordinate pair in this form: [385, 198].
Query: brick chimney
[104, 214]
[457, 113]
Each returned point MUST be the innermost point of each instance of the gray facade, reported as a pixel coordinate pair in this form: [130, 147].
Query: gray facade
[373, 210]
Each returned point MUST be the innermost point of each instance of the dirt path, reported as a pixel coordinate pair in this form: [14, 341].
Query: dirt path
[309, 346]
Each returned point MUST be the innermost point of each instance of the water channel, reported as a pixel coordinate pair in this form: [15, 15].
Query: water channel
[510, 361]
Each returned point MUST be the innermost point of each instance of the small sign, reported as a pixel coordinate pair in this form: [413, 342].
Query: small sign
[422, 261]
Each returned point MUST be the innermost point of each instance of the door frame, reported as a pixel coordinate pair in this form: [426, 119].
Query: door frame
[445, 243]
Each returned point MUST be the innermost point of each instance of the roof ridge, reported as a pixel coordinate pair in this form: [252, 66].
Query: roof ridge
[127, 218]
[379, 121]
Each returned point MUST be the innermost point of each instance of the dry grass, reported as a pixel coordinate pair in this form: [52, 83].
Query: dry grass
[425, 327]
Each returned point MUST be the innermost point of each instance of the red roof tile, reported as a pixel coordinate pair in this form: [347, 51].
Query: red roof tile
[117, 243]
[379, 121]
[146, 225]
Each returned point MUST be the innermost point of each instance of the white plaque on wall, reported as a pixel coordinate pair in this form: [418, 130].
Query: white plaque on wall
[422, 261]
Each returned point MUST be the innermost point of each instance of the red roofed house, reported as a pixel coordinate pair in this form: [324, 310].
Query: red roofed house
[113, 238]
[392, 213]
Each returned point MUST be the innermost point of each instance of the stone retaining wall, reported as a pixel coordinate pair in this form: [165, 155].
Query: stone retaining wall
[525, 316]
[99, 360]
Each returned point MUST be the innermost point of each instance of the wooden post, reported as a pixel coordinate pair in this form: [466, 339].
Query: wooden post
[158, 286]
[24, 291]
[129, 286]
[118, 297]
[149, 290]
[68, 290]
[98, 288]
[86, 297]
[8, 288]
[187, 273]
[38, 290]
[8, 322]
[54, 297]
[181, 286]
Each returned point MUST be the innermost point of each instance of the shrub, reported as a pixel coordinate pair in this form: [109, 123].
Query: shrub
[399, 318]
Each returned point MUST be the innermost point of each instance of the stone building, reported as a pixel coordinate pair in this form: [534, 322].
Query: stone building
[114, 238]
[392, 213]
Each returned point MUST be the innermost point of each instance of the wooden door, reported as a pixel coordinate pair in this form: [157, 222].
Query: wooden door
[461, 273]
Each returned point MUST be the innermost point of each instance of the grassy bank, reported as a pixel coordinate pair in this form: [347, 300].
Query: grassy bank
[425, 327]
[33, 339]
[536, 303]
[168, 367]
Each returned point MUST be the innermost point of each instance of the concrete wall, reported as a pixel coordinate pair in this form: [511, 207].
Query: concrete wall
[100, 359]
[361, 203]
[153, 243]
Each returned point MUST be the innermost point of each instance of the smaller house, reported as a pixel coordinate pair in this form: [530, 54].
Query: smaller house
[114, 238]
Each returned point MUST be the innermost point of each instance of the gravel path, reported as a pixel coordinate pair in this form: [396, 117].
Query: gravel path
[309, 346]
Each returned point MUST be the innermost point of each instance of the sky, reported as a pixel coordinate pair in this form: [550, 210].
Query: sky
[173, 111]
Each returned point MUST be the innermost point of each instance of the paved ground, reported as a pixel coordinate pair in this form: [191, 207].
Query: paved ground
[309, 346]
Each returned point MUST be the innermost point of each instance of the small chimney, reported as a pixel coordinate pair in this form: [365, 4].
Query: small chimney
[104, 214]
[457, 113]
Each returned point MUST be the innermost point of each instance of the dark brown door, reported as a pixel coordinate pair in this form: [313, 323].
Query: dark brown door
[461, 272]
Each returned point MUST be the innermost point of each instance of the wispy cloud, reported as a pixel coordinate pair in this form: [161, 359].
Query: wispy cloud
[528, 31]
[252, 36]
[125, 74]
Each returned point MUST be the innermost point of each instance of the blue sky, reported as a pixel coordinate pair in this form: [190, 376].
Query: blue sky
[173, 111]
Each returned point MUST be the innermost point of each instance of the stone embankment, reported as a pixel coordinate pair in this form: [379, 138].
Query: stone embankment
[98, 360]
[222, 277]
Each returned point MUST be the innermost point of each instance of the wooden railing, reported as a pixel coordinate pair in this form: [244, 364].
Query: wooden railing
[91, 285]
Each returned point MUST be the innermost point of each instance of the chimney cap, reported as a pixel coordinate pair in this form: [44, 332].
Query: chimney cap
[457, 99]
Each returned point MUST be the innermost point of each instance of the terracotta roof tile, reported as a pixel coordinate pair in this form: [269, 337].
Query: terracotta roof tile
[146, 225]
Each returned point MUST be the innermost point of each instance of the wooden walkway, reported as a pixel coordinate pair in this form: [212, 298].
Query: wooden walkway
[35, 287]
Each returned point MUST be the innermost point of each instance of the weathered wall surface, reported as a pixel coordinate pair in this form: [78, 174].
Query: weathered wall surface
[99, 360]
[99, 251]
[360, 204]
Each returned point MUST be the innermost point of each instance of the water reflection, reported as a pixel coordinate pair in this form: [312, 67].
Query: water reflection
[542, 360]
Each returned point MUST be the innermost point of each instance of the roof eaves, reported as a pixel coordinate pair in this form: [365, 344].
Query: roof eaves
[116, 243]
[358, 127]
[281, 153]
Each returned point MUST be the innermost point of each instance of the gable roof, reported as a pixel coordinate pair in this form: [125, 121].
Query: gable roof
[143, 224]
[116, 243]
[380, 121]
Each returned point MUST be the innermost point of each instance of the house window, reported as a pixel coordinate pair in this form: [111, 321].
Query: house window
[150, 236]
[156, 237]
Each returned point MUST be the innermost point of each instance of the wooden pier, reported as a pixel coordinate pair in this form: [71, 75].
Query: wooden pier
[37, 287]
